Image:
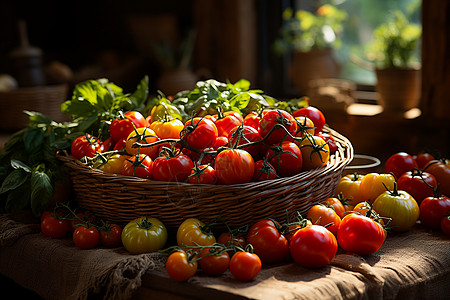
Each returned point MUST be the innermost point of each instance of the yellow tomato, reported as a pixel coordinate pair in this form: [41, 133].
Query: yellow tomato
[349, 188]
[144, 235]
[193, 232]
[315, 152]
[142, 135]
[113, 164]
[304, 124]
[167, 129]
[398, 205]
[374, 184]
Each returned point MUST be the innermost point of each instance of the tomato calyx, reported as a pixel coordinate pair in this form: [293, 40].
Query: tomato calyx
[138, 163]
[319, 149]
[303, 127]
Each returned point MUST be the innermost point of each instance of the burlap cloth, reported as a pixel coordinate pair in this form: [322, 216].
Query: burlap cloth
[411, 265]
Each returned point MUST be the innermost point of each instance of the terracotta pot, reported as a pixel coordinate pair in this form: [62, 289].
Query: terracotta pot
[173, 81]
[398, 90]
[315, 64]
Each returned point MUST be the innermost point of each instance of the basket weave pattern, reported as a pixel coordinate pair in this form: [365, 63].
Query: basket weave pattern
[120, 199]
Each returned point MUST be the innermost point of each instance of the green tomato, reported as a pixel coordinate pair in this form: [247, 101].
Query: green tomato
[398, 205]
[144, 235]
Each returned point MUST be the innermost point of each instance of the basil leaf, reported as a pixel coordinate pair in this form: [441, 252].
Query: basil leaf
[17, 164]
[18, 199]
[33, 139]
[15, 179]
[41, 191]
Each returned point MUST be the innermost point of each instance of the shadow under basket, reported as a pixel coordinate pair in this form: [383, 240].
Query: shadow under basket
[44, 99]
[120, 199]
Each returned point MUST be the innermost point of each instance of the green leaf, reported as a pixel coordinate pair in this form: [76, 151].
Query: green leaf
[17, 164]
[33, 139]
[240, 101]
[41, 191]
[18, 199]
[15, 179]
[38, 118]
[140, 95]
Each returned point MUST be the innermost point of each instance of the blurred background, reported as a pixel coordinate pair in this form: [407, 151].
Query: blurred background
[177, 43]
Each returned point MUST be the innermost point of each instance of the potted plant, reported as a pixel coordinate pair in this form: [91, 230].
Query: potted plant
[393, 53]
[311, 38]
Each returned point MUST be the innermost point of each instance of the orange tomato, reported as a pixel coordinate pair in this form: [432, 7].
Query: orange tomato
[320, 214]
[142, 135]
[167, 129]
[336, 204]
[315, 152]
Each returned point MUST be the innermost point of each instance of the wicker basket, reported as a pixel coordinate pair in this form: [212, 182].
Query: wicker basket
[44, 99]
[118, 198]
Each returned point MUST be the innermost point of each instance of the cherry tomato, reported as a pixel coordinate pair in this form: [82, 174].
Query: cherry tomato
[349, 188]
[279, 118]
[180, 266]
[264, 171]
[332, 144]
[167, 129]
[422, 159]
[110, 235]
[86, 237]
[172, 167]
[199, 133]
[214, 261]
[418, 184]
[400, 163]
[234, 166]
[360, 234]
[320, 214]
[138, 165]
[193, 232]
[245, 266]
[314, 114]
[287, 159]
[374, 184]
[445, 224]
[85, 145]
[315, 152]
[244, 134]
[121, 127]
[226, 124]
[313, 246]
[441, 171]
[54, 227]
[139, 138]
[433, 209]
[203, 174]
[336, 204]
[268, 242]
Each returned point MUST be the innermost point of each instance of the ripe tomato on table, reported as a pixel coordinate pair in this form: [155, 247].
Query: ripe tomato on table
[433, 209]
[111, 235]
[445, 224]
[349, 188]
[85, 145]
[417, 183]
[336, 204]
[54, 226]
[314, 114]
[422, 159]
[322, 215]
[143, 235]
[360, 234]
[287, 159]
[374, 184]
[214, 261]
[268, 242]
[285, 123]
[245, 266]
[193, 232]
[86, 237]
[400, 163]
[181, 266]
[122, 126]
[313, 246]
[234, 166]
[441, 171]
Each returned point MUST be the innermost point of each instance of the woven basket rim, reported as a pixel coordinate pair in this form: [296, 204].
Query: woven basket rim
[344, 155]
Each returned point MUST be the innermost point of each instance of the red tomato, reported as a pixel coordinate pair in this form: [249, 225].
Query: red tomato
[86, 237]
[314, 114]
[422, 159]
[54, 227]
[313, 246]
[180, 266]
[400, 163]
[111, 235]
[172, 167]
[360, 234]
[441, 171]
[234, 166]
[121, 127]
[245, 266]
[214, 261]
[85, 145]
[138, 165]
[241, 135]
[287, 159]
[220, 142]
[418, 184]
[228, 239]
[320, 214]
[108, 144]
[226, 124]
[199, 133]
[120, 144]
[332, 144]
[336, 204]
[203, 174]
[264, 171]
[267, 241]
[433, 209]
[279, 118]
[81, 219]
[445, 225]
[252, 119]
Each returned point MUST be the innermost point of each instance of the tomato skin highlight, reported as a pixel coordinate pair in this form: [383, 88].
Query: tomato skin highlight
[360, 234]
[400, 163]
[313, 246]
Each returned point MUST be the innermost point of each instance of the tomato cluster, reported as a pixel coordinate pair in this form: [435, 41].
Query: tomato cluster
[226, 148]
[86, 230]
